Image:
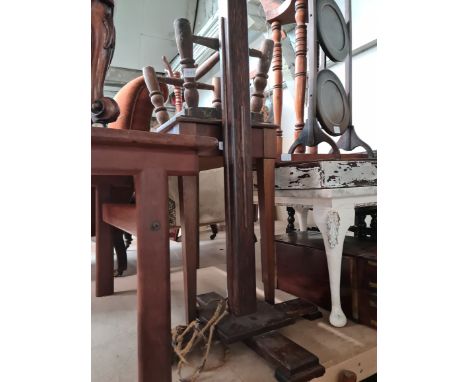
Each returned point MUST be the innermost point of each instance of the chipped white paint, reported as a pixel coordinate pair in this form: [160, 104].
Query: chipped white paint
[333, 225]
[326, 174]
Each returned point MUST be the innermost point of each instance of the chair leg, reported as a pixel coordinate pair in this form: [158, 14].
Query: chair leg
[128, 239]
[120, 250]
[214, 231]
[153, 279]
[104, 246]
[188, 195]
[266, 202]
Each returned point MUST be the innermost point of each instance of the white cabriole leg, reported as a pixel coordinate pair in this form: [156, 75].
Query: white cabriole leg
[333, 223]
[301, 214]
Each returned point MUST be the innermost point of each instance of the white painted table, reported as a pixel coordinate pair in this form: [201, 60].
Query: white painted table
[332, 190]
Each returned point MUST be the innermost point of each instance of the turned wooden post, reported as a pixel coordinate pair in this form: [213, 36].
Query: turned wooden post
[277, 84]
[178, 95]
[261, 77]
[237, 133]
[184, 41]
[216, 102]
[300, 68]
[103, 109]
[177, 89]
[156, 96]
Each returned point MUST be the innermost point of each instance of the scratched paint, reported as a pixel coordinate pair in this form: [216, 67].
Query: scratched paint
[327, 174]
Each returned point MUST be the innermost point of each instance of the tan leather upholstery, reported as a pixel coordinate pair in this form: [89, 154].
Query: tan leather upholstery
[135, 106]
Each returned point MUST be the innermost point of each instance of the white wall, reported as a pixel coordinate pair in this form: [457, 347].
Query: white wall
[145, 31]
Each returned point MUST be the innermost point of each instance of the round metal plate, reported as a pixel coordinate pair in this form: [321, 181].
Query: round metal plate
[332, 103]
[332, 30]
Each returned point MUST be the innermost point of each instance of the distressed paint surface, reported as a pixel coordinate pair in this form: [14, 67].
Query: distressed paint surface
[326, 174]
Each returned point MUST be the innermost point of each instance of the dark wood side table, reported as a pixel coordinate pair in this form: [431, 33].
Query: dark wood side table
[150, 158]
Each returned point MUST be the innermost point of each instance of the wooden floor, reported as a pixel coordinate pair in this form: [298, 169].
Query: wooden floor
[114, 331]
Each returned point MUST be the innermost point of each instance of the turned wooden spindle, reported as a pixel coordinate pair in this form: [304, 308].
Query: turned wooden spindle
[156, 96]
[178, 94]
[300, 68]
[177, 89]
[277, 83]
[184, 42]
[314, 149]
[216, 102]
[103, 109]
[261, 77]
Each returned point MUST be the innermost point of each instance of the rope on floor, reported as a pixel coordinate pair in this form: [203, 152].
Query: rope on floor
[197, 331]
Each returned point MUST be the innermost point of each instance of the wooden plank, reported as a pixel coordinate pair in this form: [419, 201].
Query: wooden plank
[297, 308]
[240, 251]
[134, 138]
[238, 328]
[293, 362]
[122, 216]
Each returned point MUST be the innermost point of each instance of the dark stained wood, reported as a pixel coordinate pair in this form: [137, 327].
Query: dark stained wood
[291, 212]
[120, 250]
[177, 88]
[207, 66]
[261, 77]
[234, 328]
[145, 139]
[297, 308]
[308, 157]
[300, 68]
[153, 281]
[184, 41]
[240, 253]
[189, 215]
[216, 82]
[122, 216]
[151, 158]
[104, 246]
[292, 362]
[277, 84]
[103, 109]
[156, 96]
[266, 198]
[277, 10]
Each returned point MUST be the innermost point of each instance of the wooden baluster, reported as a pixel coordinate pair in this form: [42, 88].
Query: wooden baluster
[103, 109]
[184, 41]
[314, 149]
[301, 68]
[277, 84]
[178, 94]
[177, 89]
[216, 102]
[261, 77]
[155, 94]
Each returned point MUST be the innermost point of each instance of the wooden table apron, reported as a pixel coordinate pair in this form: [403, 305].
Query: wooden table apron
[150, 169]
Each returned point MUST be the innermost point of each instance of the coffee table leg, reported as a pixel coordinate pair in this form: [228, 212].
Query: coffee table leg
[153, 280]
[333, 223]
